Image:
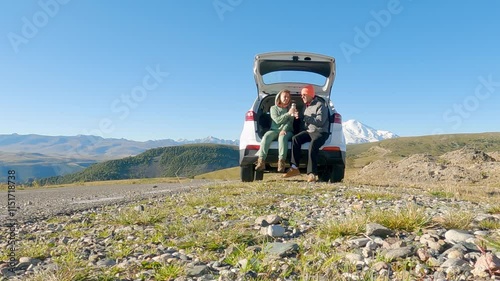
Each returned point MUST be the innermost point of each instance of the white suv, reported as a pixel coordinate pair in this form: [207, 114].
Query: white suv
[274, 72]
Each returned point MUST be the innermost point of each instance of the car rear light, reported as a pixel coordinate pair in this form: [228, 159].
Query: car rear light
[249, 116]
[331, 148]
[337, 118]
[253, 147]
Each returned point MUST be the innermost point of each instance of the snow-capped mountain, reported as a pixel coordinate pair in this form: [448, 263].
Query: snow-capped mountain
[357, 132]
[209, 139]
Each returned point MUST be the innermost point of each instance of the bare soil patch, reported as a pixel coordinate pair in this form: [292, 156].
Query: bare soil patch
[458, 171]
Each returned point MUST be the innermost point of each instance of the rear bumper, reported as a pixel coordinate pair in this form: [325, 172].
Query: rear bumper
[325, 158]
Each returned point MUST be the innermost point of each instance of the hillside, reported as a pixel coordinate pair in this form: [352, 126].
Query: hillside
[359, 155]
[182, 161]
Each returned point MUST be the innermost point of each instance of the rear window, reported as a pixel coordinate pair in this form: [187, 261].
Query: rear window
[293, 77]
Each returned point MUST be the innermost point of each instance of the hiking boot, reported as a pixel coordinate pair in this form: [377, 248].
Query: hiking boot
[291, 173]
[261, 164]
[311, 178]
[281, 166]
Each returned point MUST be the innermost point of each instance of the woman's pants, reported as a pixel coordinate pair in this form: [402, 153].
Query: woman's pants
[271, 136]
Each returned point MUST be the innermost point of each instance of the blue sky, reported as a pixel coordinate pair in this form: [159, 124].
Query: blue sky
[148, 70]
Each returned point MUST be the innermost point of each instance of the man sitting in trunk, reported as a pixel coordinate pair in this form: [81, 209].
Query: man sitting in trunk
[316, 123]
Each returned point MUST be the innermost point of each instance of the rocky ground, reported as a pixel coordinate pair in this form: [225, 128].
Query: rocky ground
[300, 231]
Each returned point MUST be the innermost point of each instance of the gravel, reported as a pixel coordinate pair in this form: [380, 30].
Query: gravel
[434, 253]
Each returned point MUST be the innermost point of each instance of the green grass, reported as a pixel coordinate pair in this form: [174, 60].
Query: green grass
[494, 209]
[409, 218]
[168, 271]
[441, 194]
[349, 226]
[33, 248]
[489, 224]
[493, 243]
[455, 219]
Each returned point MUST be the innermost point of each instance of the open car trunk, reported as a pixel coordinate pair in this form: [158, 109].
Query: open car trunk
[293, 61]
[264, 117]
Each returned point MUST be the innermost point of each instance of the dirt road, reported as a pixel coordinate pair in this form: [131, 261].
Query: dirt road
[33, 204]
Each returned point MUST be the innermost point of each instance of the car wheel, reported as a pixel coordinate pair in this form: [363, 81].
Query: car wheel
[337, 174]
[259, 175]
[325, 173]
[247, 173]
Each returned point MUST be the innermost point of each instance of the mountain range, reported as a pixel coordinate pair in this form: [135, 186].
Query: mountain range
[95, 147]
[39, 156]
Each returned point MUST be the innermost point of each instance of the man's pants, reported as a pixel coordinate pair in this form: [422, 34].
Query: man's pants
[317, 140]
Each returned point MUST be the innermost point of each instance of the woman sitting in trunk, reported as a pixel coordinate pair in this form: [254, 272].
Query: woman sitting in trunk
[282, 117]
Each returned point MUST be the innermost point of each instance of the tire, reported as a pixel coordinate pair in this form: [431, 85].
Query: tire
[247, 173]
[325, 174]
[259, 175]
[337, 174]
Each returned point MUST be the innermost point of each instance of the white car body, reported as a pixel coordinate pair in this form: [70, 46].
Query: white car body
[332, 153]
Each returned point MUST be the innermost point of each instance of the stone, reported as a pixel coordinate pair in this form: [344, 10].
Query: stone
[353, 258]
[273, 219]
[375, 229]
[281, 249]
[378, 266]
[453, 262]
[358, 242]
[275, 231]
[457, 235]
[261, 221]
[403, 252]
[197, 270]
[487, 262]
[106, 262]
